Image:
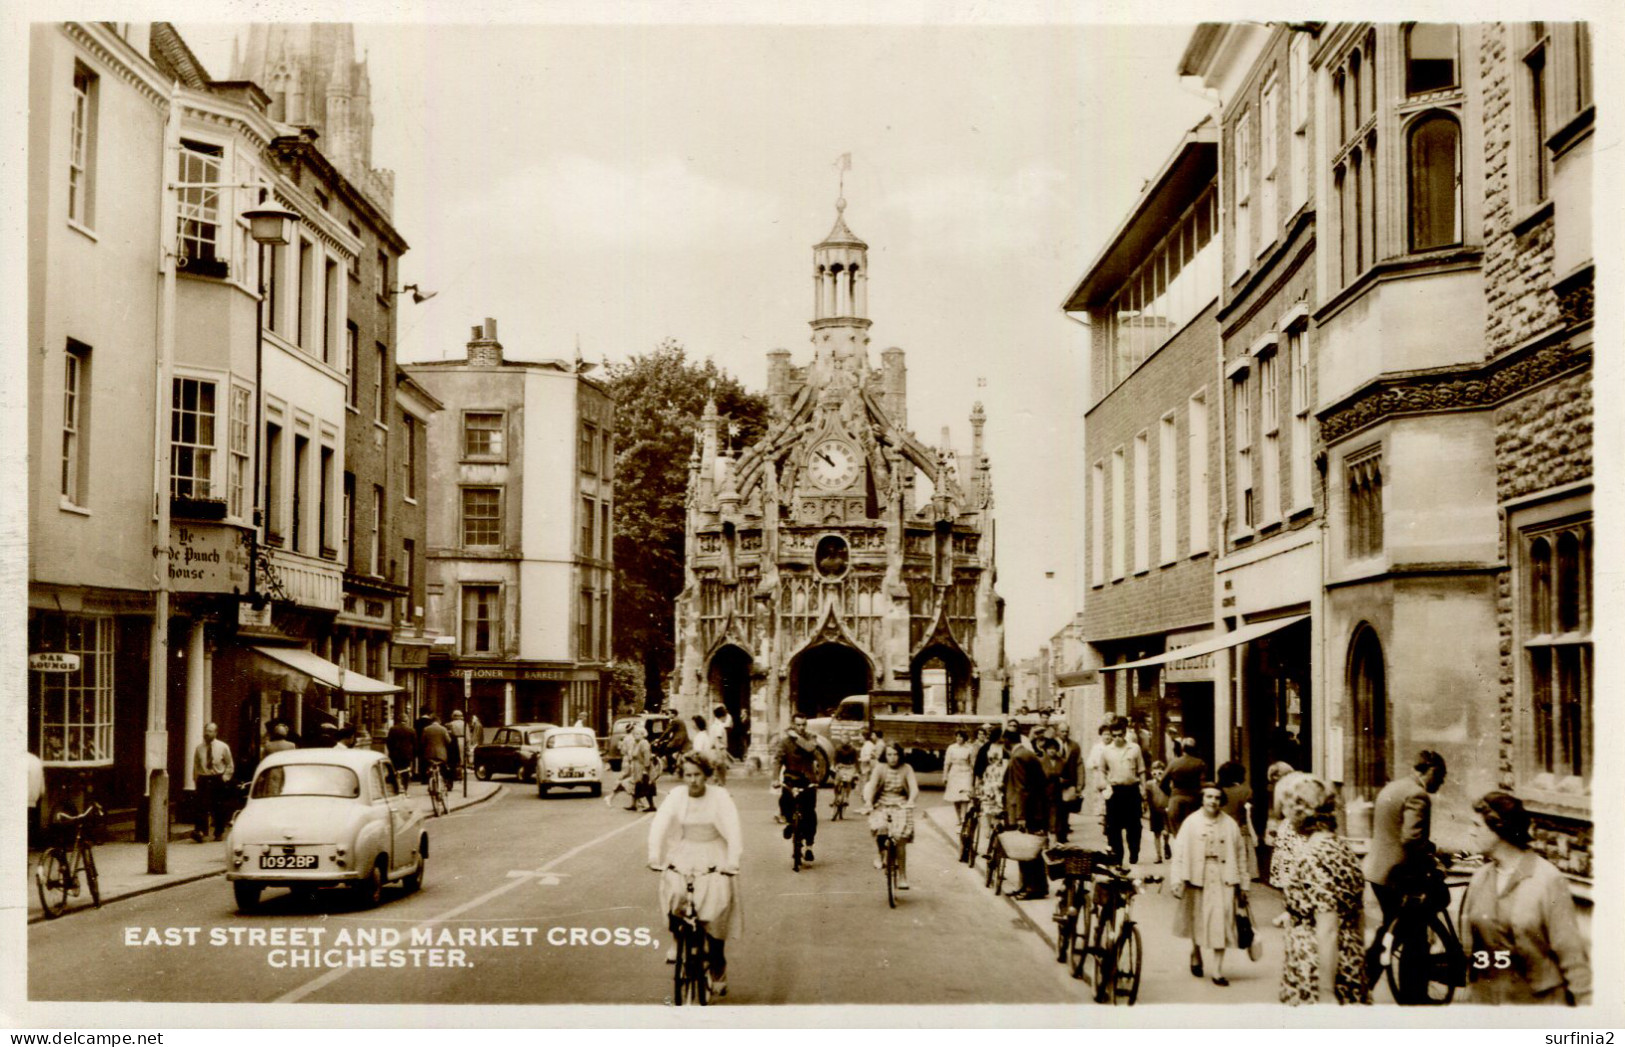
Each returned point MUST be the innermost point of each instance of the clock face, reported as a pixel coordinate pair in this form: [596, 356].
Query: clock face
[832, 465]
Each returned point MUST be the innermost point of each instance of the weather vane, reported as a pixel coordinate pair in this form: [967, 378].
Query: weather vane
[843, 164]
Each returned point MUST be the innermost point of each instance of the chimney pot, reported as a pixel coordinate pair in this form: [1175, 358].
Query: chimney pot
[490, 329]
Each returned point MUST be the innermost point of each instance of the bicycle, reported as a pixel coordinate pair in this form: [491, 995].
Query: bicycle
[1072, 865]
[437, 789]
[1424, 961]
[793, 827]
[1106, 948]
[887, 843]
[994, 855]
[969, 826]
[841, 797]
[691, 981]
[57, 874]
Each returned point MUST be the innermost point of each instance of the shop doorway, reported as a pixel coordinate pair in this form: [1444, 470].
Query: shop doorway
[1277, 722]
[729, 677]
[821, 676]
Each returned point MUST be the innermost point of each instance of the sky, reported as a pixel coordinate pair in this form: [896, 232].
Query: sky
[624, 183]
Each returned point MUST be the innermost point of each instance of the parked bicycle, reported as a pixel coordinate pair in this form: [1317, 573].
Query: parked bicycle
[691, 980]
[1422, 954]
[1072, 865]
[1106, 947]
[437, 789]
[994, 853]
[69, 858]
[969, 828]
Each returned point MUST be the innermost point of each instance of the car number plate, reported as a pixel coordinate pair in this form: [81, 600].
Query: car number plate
[287, 861]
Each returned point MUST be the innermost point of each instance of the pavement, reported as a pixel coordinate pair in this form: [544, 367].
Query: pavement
[122, 865]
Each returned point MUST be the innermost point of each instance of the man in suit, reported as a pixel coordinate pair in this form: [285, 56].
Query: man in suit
[1401, 825]
[1071, 778]
[1026, 804]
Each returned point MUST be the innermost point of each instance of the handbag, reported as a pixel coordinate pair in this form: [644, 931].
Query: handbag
[1245, 938]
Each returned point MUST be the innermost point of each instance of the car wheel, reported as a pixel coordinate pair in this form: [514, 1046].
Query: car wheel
[482, 772]
[247, 894]
[414, 879]
[541, 790]
[370, 891]
[596, 789]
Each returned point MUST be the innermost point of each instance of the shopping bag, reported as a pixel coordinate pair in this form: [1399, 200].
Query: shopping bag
[1245, 938]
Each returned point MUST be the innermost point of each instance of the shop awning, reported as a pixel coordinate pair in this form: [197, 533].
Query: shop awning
[1219, 643]
[325, 672]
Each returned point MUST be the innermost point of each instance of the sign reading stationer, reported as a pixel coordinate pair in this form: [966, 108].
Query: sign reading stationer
[207, 558]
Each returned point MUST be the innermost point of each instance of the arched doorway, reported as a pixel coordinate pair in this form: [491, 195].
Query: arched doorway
[821, 676]
[1368, 713]
[941, 666]
[729, 677]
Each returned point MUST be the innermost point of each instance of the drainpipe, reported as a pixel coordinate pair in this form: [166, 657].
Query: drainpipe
[157, 748]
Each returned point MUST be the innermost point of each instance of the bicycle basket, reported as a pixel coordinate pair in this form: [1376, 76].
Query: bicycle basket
[1066, 861]
[1020, 846]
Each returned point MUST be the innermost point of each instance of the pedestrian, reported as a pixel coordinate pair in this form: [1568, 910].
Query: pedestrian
[1156, 805]
[459, 738]
[978, 766]
[1206, 874]
[1049, 755]
[1123, 768]
[1238, 797]
[696, 833]
[889, 795]
[866, 755]
[1323, 955]
[1183, 782]
[721, 753]
[476, 730]
[640, 764]
[1026, 807]
[36, 794]
[1400, 858]
[957, 774]
[277, 740]
[623, 744]
[991, 790]
[212, 769]
[401, 745]
[1272, 822]
[435, 745]
[1519, 906]
[1071, 781]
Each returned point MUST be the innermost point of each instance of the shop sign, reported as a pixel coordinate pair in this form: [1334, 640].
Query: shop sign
[248, 615]
[53, 662]
[207, 558]
[409, 655]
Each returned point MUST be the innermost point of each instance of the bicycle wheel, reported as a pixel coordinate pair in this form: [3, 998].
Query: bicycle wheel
[1066, 918]
[91, 879]
[795, 842]
[693, 988]
[1422, 964]
[890, 863]
[993, 860]
[51, 877]
[1125, 980]
[1082, 928]
[679, 970]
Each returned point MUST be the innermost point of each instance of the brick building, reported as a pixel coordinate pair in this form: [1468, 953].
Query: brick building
[1150, 441]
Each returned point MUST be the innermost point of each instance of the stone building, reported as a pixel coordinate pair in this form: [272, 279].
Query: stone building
[839, 555]
[520, 537]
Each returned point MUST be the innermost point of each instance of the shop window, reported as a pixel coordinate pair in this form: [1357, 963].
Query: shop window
[76, 708]
[1435, 182]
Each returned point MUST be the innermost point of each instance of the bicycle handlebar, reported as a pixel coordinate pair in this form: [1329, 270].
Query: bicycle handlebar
[712, 869]
[92, 811]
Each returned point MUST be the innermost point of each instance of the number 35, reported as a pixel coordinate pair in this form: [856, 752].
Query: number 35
[1500, 959]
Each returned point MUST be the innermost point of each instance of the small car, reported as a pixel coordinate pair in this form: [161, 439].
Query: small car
[654, 724]
[511, 750]
[569, 759]
[322, 818]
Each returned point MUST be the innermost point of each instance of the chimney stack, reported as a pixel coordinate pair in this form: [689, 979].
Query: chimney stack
[483, 348]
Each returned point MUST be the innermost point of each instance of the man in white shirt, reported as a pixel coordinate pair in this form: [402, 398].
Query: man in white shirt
[1124, 770]
[212, 769]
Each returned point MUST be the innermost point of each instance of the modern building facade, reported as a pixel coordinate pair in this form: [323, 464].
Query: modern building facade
[1152, 483]
[519, 556]
[815, 566]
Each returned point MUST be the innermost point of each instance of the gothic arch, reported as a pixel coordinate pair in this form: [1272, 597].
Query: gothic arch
[1369, 712]
[941, 650]
[727, 674]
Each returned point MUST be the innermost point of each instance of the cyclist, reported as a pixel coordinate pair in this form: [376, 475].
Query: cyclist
[1401, 849]
[846, 766]
[696, 831]
[889, 788]
[673, 742]
[796, 770]
[436, 748]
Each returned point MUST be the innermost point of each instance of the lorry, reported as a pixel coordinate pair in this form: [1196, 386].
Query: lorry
[923, 736]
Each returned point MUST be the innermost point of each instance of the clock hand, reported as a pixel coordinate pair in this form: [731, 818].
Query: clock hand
[825, 456]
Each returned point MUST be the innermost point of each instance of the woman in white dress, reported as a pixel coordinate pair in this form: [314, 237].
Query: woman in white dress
[956, 768]
[1206, 876]
[696, 830]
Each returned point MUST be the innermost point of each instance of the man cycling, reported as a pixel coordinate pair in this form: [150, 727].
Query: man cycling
[796, 770]
[673, 742]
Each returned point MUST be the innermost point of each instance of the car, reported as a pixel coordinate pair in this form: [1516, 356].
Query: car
[654, 724]
[326, 818]
[511, 750]
[569, 759]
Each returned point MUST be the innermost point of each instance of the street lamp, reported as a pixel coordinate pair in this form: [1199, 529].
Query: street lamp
[270, 226]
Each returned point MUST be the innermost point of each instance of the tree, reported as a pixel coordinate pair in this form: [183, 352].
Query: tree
[659, 398]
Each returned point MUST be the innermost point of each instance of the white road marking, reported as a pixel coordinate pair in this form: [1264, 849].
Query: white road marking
[336, 973]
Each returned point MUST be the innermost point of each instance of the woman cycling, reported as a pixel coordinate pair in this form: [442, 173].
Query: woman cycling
[696, 831]
[888, 790]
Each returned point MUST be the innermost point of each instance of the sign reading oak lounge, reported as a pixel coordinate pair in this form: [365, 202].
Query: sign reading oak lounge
[207, 558]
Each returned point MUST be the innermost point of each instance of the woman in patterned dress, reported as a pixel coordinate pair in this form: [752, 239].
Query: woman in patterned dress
[885, 794]
[1324, 892]
[1206, 876]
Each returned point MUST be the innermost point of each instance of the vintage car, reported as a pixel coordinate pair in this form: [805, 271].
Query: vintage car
[654, 725]
[569, 759]
[325, 817]
[511, 750]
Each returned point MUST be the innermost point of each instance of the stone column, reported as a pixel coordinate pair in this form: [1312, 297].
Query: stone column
[198, 712]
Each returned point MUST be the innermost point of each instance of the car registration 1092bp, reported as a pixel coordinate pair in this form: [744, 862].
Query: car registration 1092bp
[287, 861]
